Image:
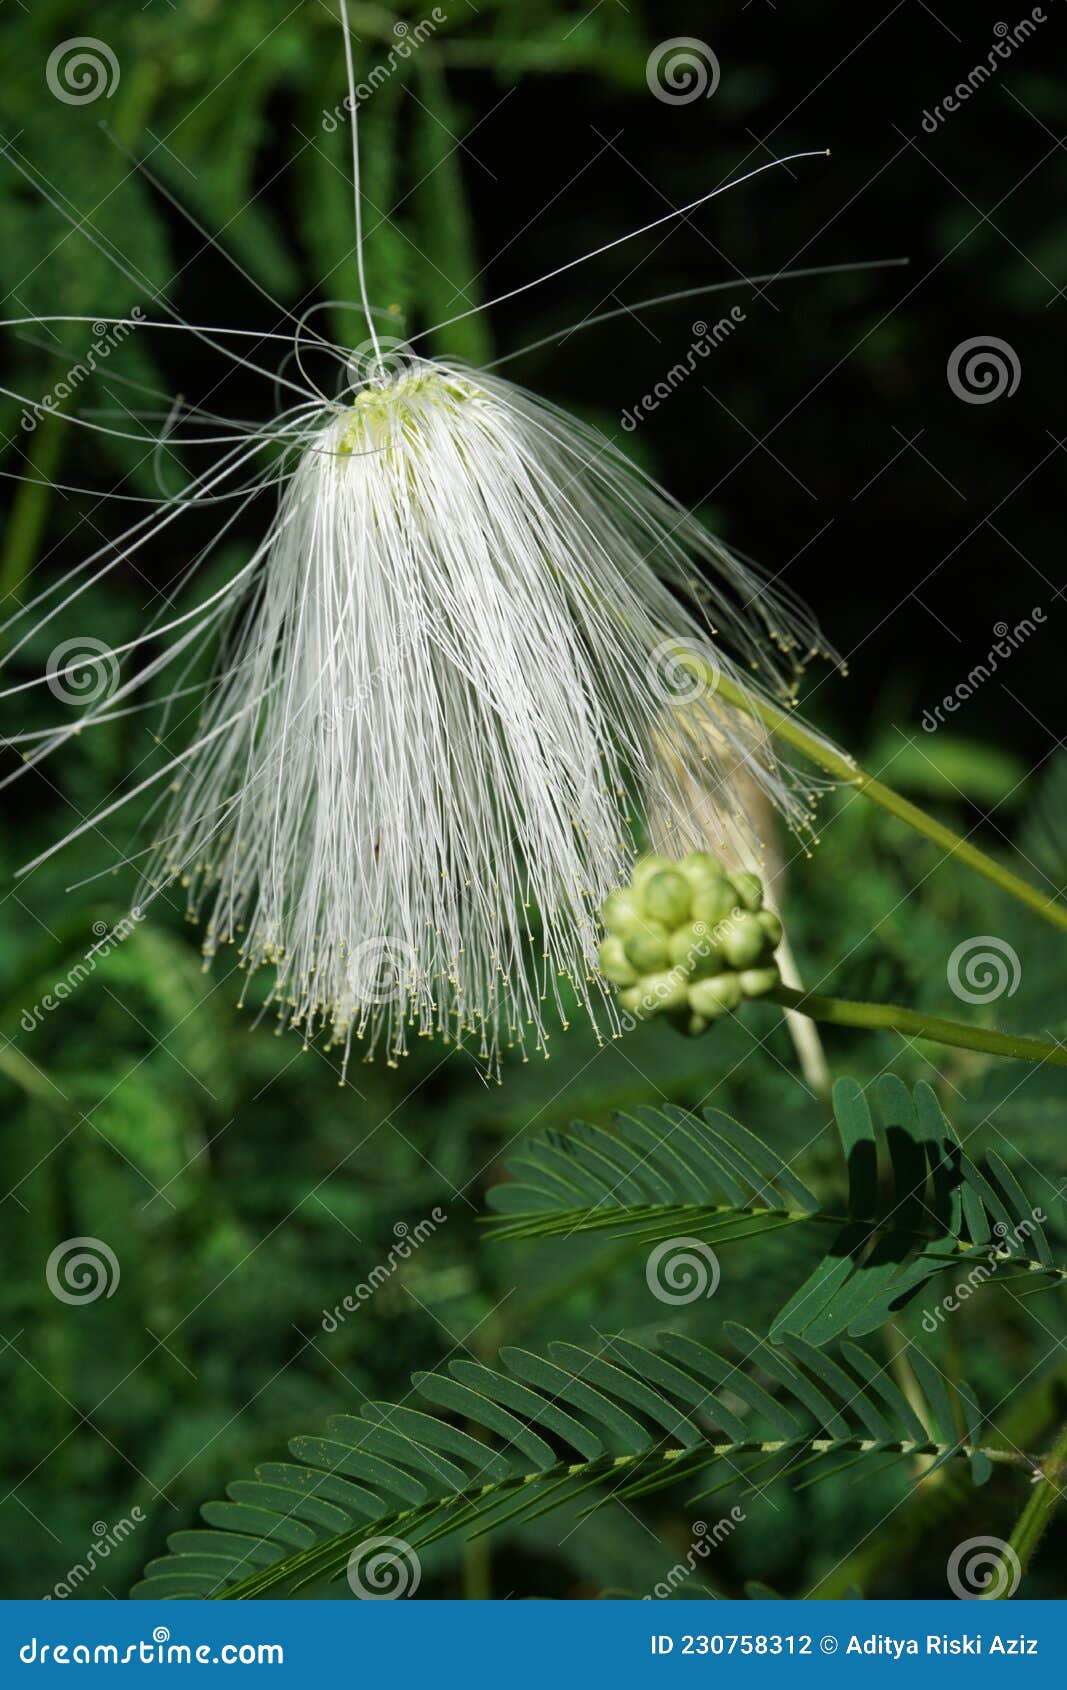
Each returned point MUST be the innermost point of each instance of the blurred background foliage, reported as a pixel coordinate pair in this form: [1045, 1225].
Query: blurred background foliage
[244, 1192]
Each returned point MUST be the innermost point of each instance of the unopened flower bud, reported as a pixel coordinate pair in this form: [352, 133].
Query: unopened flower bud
[689, 942]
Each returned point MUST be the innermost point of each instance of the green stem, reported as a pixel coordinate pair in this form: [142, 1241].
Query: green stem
[843, 1012]
[784, 726]
[1033, 1522]
[30, 505]
[29, 509]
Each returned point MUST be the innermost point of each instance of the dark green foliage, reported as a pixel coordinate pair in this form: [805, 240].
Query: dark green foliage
[243, 1191]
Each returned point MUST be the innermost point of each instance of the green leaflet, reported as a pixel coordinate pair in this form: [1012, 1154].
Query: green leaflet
[916, 1207]
[421, 1478]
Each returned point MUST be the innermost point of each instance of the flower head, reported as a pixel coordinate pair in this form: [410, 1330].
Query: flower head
[474, 648]
[456, 683]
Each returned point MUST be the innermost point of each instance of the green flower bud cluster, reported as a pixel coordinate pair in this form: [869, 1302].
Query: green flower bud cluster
[688, 940]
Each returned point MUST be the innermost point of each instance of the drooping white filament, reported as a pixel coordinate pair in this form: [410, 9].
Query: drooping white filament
[450, 674]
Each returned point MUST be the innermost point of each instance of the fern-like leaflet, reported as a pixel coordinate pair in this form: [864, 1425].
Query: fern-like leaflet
[917, 1205]
[542, 1431]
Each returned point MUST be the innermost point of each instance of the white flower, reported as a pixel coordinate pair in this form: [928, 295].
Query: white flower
[448, 687]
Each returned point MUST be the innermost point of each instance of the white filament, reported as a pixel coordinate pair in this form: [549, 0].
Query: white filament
[445, 687]
[444, 694]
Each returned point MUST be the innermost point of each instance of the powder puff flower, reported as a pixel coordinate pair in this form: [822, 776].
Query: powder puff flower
[446, 695]
[448, 687]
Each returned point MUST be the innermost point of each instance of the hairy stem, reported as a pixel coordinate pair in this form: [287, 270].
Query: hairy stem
[439, 1517]
[843, 1012]
[1033, 1522]
[784, 726]
[29, 509]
